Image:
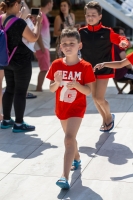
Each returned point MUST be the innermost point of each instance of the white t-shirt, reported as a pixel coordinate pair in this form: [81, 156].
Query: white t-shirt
[45, 33]
[30, 45]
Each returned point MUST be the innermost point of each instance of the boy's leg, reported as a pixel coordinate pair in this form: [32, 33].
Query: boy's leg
[77, 156]
[44, 64]
[98, 94]
[72, 127]
[1, 78]
[94, 90]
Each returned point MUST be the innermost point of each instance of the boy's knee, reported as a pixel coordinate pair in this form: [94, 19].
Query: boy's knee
[69, 139]
[99, 100]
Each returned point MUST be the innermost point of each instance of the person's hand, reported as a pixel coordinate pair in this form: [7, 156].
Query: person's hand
[58, 77]
[39, 18]
[72, 84]
[21, 12]
[32, 18]
[123, 44]
[43, 49]
[98, 66]
[35, 18]
[77, 26]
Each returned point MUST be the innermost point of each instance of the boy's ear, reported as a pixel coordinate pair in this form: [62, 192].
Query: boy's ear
[61, 47]
[80, 45]
[100, 16]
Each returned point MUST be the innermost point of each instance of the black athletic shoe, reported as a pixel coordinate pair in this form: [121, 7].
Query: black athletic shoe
[5, 125]
[23, 128]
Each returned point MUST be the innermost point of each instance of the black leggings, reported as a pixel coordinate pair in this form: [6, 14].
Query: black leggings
[17, 82]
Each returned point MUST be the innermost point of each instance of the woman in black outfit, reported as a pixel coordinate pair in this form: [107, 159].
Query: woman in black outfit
[18, 72]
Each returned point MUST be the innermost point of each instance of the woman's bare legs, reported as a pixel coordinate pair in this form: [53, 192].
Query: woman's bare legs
[70, 127]
[1, 78]
[98, 93]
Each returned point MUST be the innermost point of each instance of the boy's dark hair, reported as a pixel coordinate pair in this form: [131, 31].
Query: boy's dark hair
[45, 2]
[116, 29]
[70, 32]
[94, 5]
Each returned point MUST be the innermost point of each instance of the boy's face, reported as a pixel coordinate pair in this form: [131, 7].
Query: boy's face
[50, 5]
[70, 46]
[121, 32]
[92, 16]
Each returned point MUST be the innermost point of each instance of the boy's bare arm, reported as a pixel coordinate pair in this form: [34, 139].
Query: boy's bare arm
[123, 56]
[54, 86]
[84, 89]
[115, 64]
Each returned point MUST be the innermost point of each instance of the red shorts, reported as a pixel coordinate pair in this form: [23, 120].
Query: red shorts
[43, 59]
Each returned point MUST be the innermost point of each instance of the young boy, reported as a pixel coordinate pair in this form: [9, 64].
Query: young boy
[97, 47]
[43, 44]
[71, 79]
[117, 64]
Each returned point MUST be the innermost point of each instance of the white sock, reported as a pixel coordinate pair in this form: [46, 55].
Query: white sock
[7, 120]
[18, 124]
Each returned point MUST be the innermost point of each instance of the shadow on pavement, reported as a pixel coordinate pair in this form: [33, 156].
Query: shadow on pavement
[79, 192]
[116, 153]
[121, 178]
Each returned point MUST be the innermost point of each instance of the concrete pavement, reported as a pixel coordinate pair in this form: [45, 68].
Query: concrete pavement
[31, 163]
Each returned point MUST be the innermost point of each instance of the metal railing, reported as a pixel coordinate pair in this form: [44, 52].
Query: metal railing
[125, 6]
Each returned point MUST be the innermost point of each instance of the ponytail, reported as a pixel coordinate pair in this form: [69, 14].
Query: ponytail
[3, 7]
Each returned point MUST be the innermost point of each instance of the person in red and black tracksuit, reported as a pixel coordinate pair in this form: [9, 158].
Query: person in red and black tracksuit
[97, 47]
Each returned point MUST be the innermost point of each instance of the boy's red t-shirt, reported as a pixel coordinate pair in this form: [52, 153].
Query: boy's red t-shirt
[130, 58]
[71, 103]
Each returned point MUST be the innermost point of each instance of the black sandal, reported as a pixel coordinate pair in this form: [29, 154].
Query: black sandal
[30, 96]
[102, 126]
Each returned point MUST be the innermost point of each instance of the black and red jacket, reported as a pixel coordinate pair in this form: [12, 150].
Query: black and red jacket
[97, 47]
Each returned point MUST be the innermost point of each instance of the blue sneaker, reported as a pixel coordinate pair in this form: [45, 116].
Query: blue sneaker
[5, 125]
[23, 128]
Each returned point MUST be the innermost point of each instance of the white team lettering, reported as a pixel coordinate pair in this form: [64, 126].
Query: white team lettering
[77, 75]
[67, 95]
[64, 75]
[71, 75]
